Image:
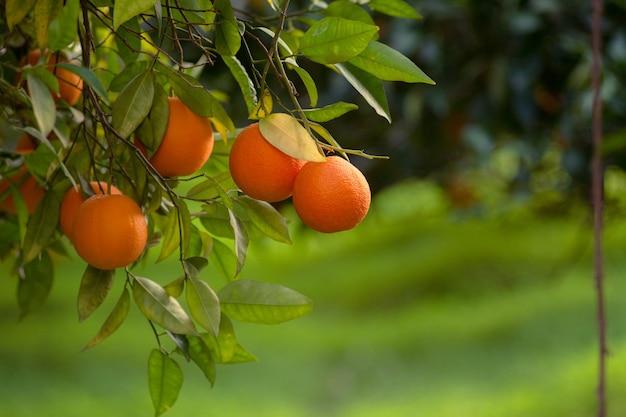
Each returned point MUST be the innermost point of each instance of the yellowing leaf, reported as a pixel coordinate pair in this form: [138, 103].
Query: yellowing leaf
[287, 134]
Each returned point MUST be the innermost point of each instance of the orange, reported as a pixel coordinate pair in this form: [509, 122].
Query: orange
[25, 144]
[74, 198]
[331, 196]
[109, 231]
[70, 84]
[187, 143]
[261, 170]
[28, 186]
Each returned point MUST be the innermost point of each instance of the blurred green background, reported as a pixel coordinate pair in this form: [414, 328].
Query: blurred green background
[468, 289]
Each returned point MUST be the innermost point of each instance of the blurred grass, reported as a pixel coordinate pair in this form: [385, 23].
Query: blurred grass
[416, 313]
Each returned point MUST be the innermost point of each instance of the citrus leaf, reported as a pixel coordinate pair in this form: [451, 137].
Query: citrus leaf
[370, 88]
[216, 220]
[201, 355]
[43, 13]
[34, 284]
[396, 8]
[161, 308]
[263, 107]
[44, 108]
[194, 265]
[165, 379]
[113, 321]
[89, 77]
[227, 37]
[388, 64]
[262, 302]
[212, 187]
[41, 226]
[348, 10]
[223, 345]
[307, 80]
[242, 355]
[63, 29]
[176, 287]
[335, 39]
[287, 134]
[224, 259]
[94, 287]
[244, 81]
[16, 11]
[171, 235]
[329, 112]
[127, 9]
[127, 42]
[241, 240]
[266, 218]
[133, 104]
[204, 305]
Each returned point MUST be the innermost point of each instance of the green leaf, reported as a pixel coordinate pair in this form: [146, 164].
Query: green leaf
[388, 64]
[161, 308]
[287, 134]
[262, 302]
[216, 220]
[34, 284]
[176, 287]
[127, 42]
[44, 108]
[198, 98]
[242, 355]
[309, 84]
[88, 77]
[127, 9]
[335, 39]
[266, 218]
[16, 11]
[113, 321]
[43, 13]
[171, 233]
[128, 73]
[244, 81]
[94, 287]
[133, 104]
[211, 187]
[204, 305]
[201, 355]
[370, 88]
[396, 8]
[41, 226]
[194, 265]
[227, 37]
[348, 10]
[329, 112]
[152, 130]
[223, 344]
[242, 240]
[63, 29]
[165, 379]
[224, 259]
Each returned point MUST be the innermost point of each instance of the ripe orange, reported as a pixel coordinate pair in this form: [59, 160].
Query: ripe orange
[25, 144]
[187, 143]
[74, 198]
[260, 169]
[70, 84]
[331, 196]
[28, 186]
[109, 231]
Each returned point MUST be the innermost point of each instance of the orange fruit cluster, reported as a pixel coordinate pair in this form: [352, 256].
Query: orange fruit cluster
[329, 196]
[186, 145]
[108, 229]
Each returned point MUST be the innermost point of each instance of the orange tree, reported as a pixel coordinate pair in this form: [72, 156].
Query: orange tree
[101, 86]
